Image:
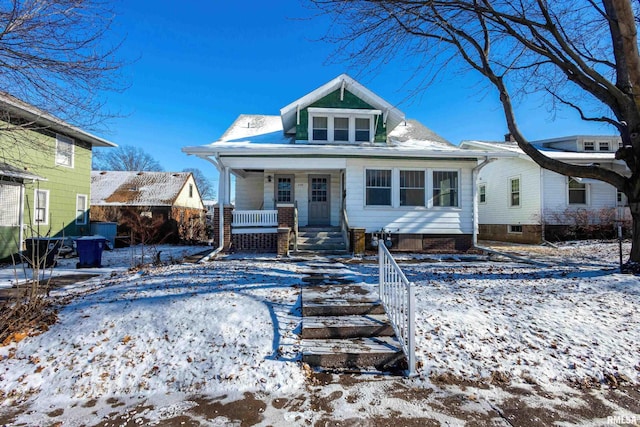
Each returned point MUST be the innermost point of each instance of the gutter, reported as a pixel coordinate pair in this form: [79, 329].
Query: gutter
[221, 183]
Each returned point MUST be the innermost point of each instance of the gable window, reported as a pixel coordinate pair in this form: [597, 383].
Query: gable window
[577, 192]
[378, 187]
[81, 209]
[514, 192]
[41, 207]
[603, 146]
[411, 188]
[320, 128]
[482, 193]
[363, 130]
[341, 129]
[64, 151]
[284, 189]
[190, 190]
[589, 146]
[445, 188]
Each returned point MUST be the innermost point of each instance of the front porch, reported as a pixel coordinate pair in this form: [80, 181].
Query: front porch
[285, 210]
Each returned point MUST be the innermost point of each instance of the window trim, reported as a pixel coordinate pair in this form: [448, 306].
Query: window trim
[71, 142]
[293, 188]
[82, 219]
[341, 113]
[601, 143]
[587, 198]
[517, 178]
[391, 186]
[592, 145]
[432, 187]
[36, 209]
[482, 191]
[424, 188]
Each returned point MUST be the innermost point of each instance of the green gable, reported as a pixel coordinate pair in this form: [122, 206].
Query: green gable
[332, 100]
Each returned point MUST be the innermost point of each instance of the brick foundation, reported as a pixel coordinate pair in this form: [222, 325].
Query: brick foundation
[286, 216]
[427, 243]
[531, 234]
[261, 243]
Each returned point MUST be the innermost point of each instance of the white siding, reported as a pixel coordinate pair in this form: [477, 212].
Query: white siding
[185, 201]
[496, 176]
[600, 196]
[249, 191]
[458, 220]
[301, 193]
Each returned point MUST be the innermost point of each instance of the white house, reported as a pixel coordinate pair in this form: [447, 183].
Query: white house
[518, 201]
[342, 158]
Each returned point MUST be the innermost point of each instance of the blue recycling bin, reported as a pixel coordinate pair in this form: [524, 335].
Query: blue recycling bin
[89, 250]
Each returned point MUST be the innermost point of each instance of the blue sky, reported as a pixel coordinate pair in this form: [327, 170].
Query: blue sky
[194, 69]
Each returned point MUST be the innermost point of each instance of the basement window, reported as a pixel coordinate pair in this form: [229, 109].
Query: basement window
[515, 229]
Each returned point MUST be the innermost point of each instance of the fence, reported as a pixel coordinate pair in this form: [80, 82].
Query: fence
[398, 296]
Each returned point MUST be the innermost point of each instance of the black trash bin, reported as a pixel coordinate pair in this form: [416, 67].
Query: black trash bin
[42, 251]
[89, 250]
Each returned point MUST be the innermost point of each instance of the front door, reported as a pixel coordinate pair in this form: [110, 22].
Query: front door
[319, 200]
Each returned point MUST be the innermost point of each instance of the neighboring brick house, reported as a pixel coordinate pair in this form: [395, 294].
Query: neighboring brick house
[45, 175]
[166, 205]
[342, 158]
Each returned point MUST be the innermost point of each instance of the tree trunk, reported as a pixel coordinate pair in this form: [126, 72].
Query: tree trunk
[634, 258]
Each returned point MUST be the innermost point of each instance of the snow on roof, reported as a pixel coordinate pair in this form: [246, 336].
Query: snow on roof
[124, 188]
[13, 105]
[549, 152]
[412, 132]
[392, 114]
[17, 173]
[257, 129]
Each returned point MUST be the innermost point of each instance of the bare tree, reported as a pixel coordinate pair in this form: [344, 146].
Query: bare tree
[58, 61]
[55, 55]
[205, 186]
[581, 53]
[125, 158]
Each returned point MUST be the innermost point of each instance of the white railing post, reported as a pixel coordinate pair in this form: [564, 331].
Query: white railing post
[398, 297]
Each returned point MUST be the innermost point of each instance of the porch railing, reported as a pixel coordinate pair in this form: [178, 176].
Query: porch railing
[398, 297]
[255, 218]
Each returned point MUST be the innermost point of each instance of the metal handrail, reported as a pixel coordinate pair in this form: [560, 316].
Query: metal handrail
[398, 297]
[344, 226]
[295, 227]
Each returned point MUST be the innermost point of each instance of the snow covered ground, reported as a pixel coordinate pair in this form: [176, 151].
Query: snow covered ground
[158, 336]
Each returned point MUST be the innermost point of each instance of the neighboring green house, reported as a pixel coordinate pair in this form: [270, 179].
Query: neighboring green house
[45, 175]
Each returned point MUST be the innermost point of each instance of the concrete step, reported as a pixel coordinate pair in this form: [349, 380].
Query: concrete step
[341, 307]
[382, 353]
[339, 300]
[355, 326]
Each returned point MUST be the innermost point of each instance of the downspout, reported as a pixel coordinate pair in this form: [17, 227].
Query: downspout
[542, 213]
[21, 219]
[474, 197]
[221, 196]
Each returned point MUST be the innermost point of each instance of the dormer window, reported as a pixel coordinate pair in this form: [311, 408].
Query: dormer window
[363, 129]
[603, 146]
[320, 128]
[342, 125]
[589, 146]
[341, 129]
